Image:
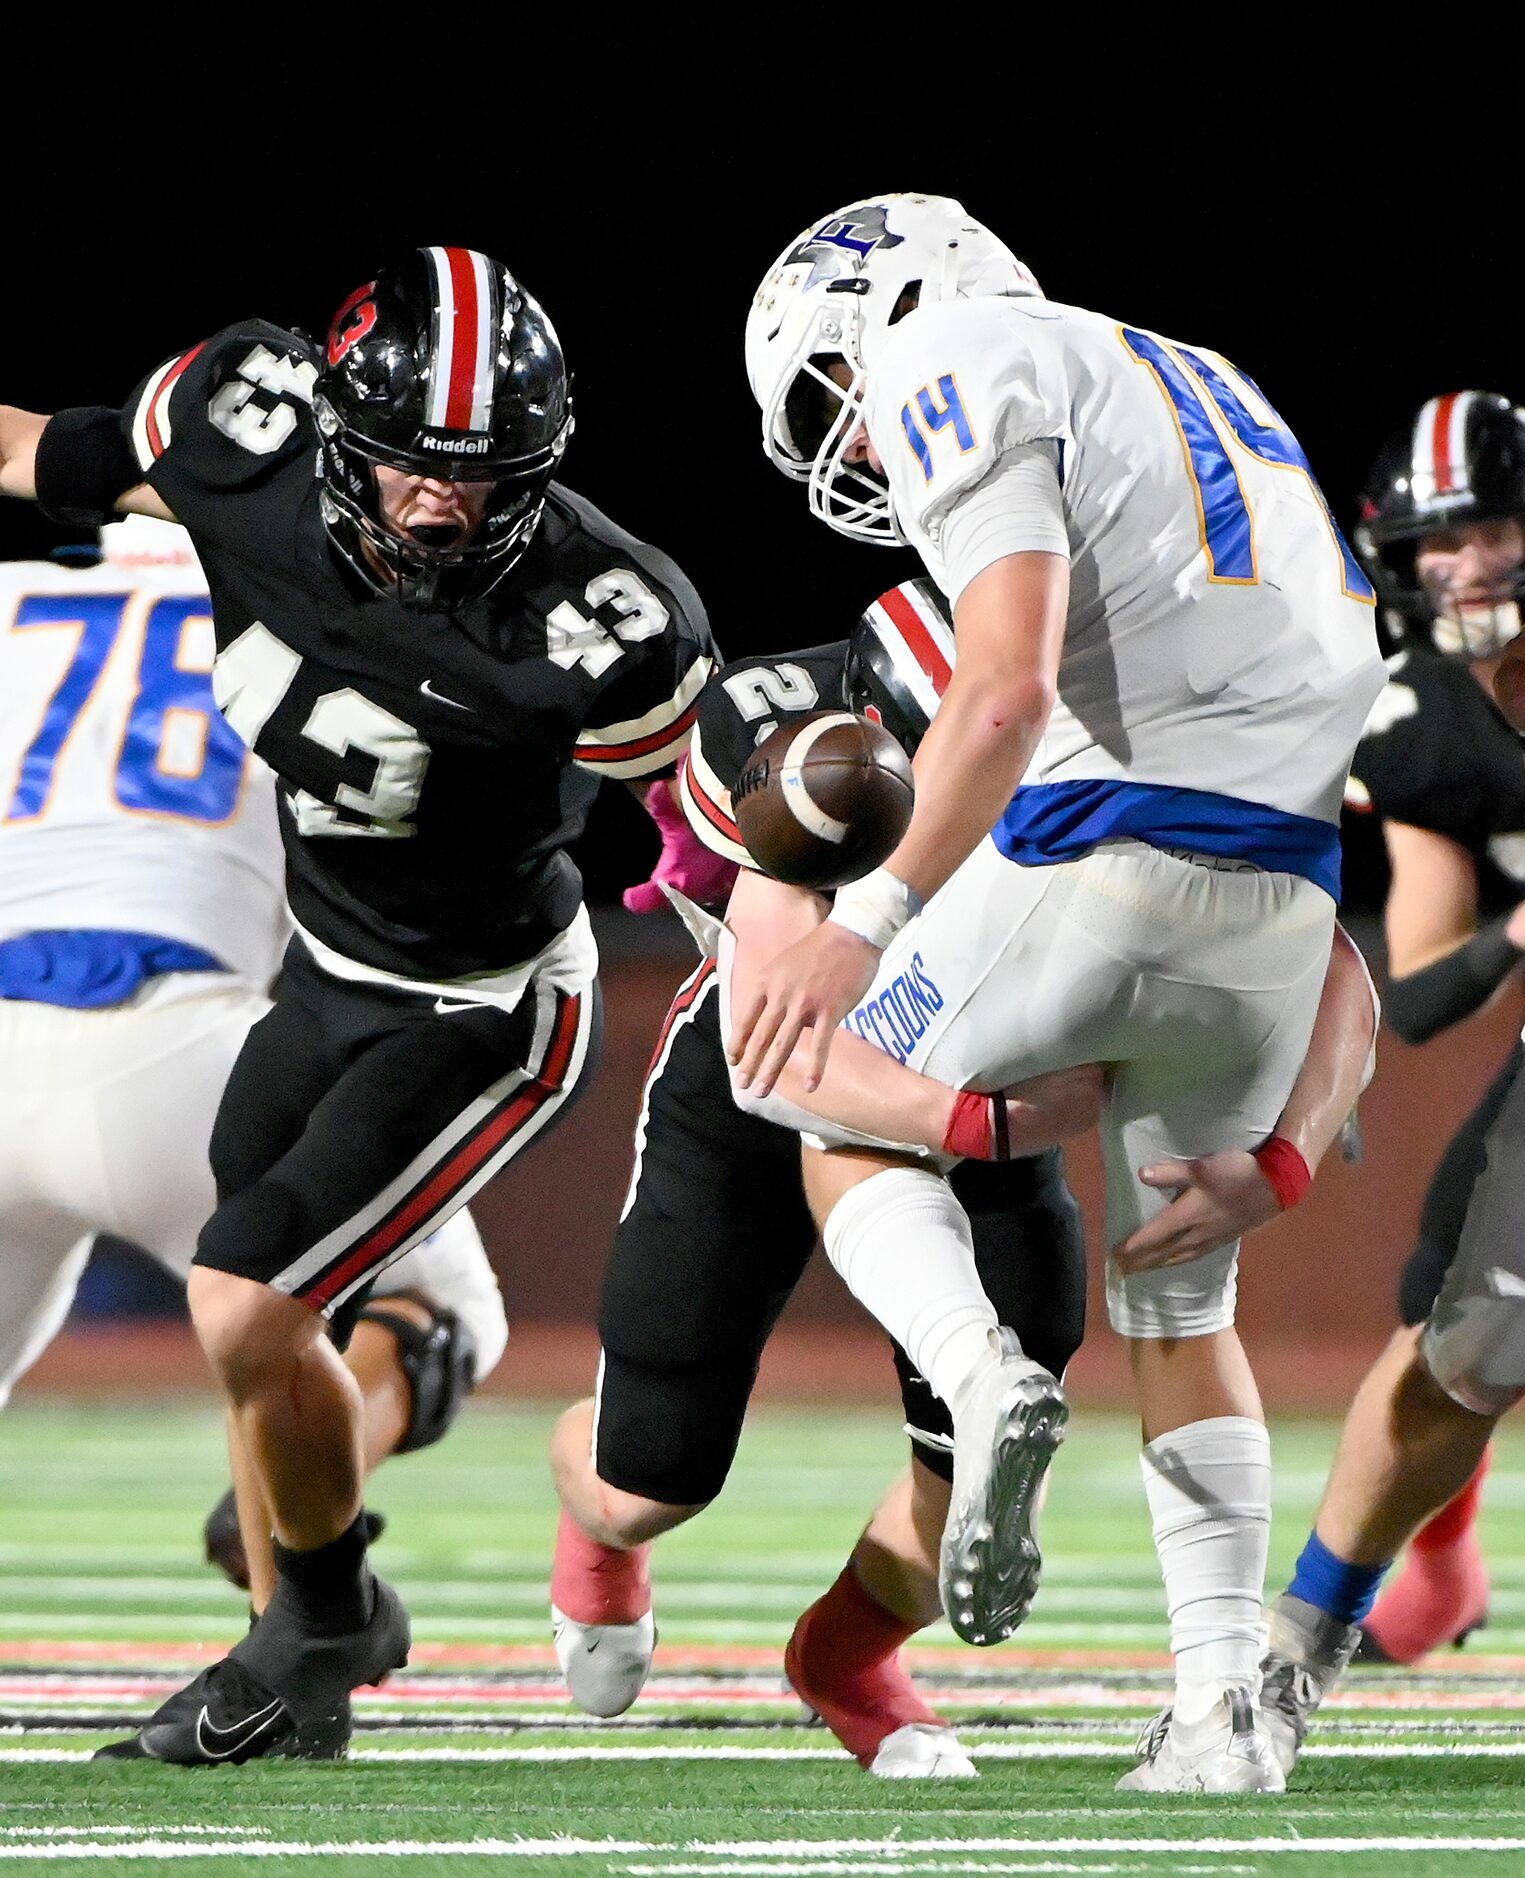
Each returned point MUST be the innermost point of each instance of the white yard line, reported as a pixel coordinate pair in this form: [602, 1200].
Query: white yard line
[807, 1855]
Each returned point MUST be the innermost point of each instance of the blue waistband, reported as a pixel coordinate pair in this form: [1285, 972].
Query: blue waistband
[1050, 822]
[87, 970]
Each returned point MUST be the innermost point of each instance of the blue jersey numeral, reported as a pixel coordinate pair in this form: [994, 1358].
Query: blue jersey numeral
[202, 789]
[1191, 384]
[929, 417]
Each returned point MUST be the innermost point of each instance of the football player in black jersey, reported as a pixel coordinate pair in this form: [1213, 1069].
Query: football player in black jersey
[1444, 536]
[438, 651]
[715, 1235]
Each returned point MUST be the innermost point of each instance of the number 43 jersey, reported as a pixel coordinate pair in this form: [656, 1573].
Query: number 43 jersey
[432, 765]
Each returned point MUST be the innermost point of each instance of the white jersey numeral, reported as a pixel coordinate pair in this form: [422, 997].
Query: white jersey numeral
[250, 680]
[253, 426]
[774, 688]
[571, 638]
[343, 721]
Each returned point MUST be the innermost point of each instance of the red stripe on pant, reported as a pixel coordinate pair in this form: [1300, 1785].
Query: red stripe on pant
[526, 1102]
[680, 1004]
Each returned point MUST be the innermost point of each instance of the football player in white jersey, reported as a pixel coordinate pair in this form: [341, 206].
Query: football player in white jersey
[142, 916]
[1163, 639]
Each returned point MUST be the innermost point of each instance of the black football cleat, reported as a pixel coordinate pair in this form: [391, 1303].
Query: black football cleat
[282, 1692]
[226, 1717]
[225, 1543]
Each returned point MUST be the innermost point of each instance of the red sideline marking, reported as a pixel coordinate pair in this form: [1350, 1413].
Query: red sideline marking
[155, 436]
[493, 1132]
[925, 649]
[639, 746]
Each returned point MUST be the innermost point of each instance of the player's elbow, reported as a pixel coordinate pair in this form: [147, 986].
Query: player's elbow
[1017, 704]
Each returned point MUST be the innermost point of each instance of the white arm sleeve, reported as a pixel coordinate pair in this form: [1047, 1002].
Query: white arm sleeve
[1016, 509]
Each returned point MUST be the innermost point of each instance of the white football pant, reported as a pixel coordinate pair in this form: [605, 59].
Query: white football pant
[105, 1124]
[1197, 979]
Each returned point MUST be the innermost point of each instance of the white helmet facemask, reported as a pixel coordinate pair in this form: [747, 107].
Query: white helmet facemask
[832, 296]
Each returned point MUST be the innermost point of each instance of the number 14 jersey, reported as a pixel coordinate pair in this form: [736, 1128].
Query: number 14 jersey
[432, 765]
[1219, 636]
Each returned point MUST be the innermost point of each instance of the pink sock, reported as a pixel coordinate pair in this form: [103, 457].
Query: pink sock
[598, 1584]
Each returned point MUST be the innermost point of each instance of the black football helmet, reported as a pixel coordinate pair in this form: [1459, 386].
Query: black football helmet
[443, 365]
[1460, 460]
[899, 661]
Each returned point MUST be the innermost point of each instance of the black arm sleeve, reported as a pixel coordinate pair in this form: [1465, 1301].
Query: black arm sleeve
[1426, 1002]
[83, 465]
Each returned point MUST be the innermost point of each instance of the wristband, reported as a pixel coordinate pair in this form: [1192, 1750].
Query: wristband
[876, 907]
[1289, 1174]
[978, 1129]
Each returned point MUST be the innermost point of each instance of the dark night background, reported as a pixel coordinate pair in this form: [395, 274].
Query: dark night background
[1352, 268]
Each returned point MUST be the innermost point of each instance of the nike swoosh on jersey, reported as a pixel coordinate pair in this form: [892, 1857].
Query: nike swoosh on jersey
[445, 1005]
[219, 1744]
[439, 697]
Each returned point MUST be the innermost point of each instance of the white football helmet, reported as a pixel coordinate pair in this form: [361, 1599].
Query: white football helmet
[831, 296]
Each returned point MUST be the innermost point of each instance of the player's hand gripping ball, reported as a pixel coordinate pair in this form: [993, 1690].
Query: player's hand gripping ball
[824, 800]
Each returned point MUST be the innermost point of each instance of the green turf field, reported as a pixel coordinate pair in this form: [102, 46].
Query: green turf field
[471, 1760]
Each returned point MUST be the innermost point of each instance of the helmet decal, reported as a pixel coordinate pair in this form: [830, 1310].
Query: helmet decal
[858, 232]
[352, 322]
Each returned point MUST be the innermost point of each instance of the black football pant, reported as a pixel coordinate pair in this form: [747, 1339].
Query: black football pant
[1445, 1204]
[357, 1119]
[715, 1236]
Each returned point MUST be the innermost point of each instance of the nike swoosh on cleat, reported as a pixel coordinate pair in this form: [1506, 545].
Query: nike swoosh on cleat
[219, 1744]
[590, 1644]
[439, 697]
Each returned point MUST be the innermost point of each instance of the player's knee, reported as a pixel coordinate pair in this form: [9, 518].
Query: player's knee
[438, 1355]
[1473, 1350]
[1175, 1301]
[251, 1334]
[629, 1519]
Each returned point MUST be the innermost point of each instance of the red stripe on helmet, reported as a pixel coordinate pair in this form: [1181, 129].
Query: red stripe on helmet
[464, 340]
[1445, 470]
[927, 653]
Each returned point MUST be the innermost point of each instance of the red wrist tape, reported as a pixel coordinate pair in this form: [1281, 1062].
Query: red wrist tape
[977, 1129]
[1289, 1174]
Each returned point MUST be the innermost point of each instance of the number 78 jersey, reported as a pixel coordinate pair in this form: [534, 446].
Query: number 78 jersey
[1220, 635]
[126, 802]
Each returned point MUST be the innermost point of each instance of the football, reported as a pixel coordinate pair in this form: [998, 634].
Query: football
[824, 799]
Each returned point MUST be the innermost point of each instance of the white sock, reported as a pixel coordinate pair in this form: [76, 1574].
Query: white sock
[902, 1245]
[1209, 1491]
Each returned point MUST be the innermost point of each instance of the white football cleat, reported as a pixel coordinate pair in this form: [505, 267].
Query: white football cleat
[920, 1752]
[1306, 1654]
[1227, 1751]
[1008, 1421]
[605, 1665]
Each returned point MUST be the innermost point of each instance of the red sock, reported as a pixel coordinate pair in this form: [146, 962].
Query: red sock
[843, 1659]
[1455, 1519]
[598, 1584]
